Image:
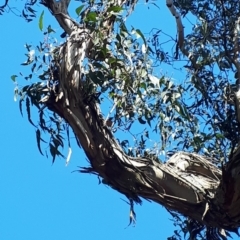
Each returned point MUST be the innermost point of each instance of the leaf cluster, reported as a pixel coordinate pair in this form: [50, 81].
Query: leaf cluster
[195, 116]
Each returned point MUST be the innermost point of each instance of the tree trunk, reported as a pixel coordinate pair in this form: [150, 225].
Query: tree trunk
[187, 183]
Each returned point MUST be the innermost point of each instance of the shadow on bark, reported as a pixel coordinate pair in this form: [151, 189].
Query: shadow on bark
[187, 183]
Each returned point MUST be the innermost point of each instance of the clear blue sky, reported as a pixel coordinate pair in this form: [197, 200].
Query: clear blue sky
[39, 200]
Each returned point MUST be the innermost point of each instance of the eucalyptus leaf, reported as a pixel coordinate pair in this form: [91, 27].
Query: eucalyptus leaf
[40, 22]
[13, 77]
[79, 9]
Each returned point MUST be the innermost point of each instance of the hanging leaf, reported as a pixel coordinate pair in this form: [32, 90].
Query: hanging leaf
[40, 23]
[20, 106]
[49, 29]
[33, 67]
[132, 217]
[15, 93]
[138, 31]
[79, 9]
[53, 152]
[38, 136]
[28, 111]
[69, 155]
[141, 120]
[32, 11]
[42, 121]
[57, 142]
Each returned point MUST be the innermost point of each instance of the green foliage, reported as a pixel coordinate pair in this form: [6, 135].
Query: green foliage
[79, 9]
[40, 22]
[13, 77]
[37, 60]
[194, 114]
[206, 101]
[122, 63]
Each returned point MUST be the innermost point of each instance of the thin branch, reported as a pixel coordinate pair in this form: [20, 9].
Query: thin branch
[60, 10]
[236, 47]
[177, 16]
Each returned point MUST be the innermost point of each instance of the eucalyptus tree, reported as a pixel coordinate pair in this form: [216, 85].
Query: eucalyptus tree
[100, 58]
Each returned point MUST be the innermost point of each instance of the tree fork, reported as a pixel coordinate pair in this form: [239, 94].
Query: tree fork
[187, 183]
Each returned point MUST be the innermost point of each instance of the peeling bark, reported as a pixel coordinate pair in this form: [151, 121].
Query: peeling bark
[187, 183]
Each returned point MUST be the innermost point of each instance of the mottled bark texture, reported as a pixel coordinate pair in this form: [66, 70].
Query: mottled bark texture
[187, 183]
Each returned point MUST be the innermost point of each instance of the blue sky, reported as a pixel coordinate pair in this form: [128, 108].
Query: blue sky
[44, 201]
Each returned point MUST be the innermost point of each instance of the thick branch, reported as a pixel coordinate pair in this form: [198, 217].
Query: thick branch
[187, 183]
[60, 10]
